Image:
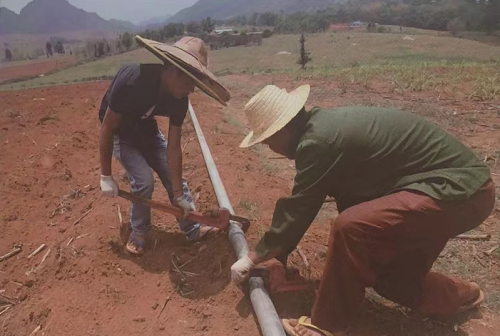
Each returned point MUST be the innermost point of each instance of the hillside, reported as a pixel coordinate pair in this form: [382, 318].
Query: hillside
[154, 22]
[8, 21]
[223, 9]
[54, 16]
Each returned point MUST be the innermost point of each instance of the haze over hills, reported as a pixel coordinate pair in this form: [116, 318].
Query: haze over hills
[54, 16]
[224, 9]
[155, 21]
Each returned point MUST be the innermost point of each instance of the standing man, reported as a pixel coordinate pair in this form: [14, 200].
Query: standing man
[403, 188]
[129, 131]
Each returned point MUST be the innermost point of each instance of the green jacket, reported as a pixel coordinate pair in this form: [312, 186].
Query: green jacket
[357, 154]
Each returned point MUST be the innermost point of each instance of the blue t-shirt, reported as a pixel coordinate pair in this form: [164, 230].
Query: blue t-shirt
[135, 94]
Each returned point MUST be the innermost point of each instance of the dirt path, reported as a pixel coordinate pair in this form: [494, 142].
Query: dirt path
[49, 173]
[34, 68]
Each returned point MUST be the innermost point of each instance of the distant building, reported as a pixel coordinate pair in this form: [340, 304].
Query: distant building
[220, 30]
[357, 24]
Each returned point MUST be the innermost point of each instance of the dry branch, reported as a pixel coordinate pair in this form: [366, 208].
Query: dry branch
[304, 258]
[474, 237]
[41, 262]
[35, 252]
[491, 250]
[37, 329]
[120, 218]
[183, 276]
[82, 236]
[5, 310]
[479, 261]
[8, 300]
[12, 253]
[83, 216]
[71, 240]
[164, 305]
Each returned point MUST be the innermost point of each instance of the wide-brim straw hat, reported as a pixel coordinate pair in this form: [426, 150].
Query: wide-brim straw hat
[190, 55]
[272, 109]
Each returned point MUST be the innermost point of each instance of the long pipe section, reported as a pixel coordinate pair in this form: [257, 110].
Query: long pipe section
[263, 306]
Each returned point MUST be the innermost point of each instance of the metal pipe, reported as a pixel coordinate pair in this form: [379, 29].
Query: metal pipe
[268, 318]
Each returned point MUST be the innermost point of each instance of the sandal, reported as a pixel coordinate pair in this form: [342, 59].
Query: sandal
[474, 304]
[303, 321]
[209, 233]
[136, 243]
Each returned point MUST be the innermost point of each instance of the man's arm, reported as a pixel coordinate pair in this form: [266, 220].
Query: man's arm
[293, 215]
[174, 158]
[110, 124]
[174, 162]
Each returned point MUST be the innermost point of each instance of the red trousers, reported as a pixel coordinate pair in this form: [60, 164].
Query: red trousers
[390, 244]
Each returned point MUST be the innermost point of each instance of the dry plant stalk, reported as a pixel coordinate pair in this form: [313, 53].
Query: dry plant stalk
[474, 237]
[83, 216]
[38, 250]
[12, 253]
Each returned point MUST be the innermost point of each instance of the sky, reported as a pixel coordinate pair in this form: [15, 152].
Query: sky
[118, 9]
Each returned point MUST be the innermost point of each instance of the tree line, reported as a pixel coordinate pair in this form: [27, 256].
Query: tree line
[476, 15]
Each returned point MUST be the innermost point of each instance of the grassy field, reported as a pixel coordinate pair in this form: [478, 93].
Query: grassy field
[408, 62]
[89, 71]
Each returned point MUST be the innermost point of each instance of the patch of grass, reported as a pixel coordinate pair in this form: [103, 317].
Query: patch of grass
[268, 167]
[486, 89]
[231, 120]
[250, 207]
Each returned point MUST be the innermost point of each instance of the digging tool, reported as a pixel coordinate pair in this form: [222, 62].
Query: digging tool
[221, 221]
[279, 278]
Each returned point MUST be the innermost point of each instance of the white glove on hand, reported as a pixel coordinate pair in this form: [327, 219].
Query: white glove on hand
[186, 204]
[240, 271]
[109, 187]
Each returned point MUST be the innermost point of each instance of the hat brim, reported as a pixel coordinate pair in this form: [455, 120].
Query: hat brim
[297, 101]
[203, 78]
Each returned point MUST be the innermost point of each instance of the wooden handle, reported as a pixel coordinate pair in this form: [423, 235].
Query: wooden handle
[221, 222]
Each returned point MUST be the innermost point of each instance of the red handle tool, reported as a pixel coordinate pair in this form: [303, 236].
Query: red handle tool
[221, 222]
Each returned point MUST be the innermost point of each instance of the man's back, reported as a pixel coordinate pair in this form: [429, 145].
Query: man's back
[376, 151]
[135, 94]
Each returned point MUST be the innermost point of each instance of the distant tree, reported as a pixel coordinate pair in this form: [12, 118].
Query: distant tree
[455, 26]
[101, 49]
[193, 28]
[241, 20]
[304, 55]
[8, 54]
[207, 25]
[243, 32]
[267, 19]
[267, 33]
[119, 44]
[173, 29]
[252, 20]
[48, 48]
[126, 40]
[59, 48]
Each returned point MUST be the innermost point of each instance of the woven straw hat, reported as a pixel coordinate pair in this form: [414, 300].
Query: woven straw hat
[190, 55]
[270, 110]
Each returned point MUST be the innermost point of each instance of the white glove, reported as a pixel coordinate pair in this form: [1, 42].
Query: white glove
[109, 187]
[185, 202]
[240, 271]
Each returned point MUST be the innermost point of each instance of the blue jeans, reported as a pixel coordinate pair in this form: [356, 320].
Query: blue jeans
[140, 156]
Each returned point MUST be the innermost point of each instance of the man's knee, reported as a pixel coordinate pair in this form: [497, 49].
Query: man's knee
[143, 183]
[346, 224]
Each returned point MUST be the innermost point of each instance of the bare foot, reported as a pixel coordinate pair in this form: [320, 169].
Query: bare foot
[306, 331]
